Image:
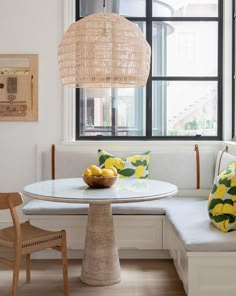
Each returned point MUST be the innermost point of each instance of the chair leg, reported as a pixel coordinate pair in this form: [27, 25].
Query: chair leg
[27, 257]
[16, 272]
[64, 264]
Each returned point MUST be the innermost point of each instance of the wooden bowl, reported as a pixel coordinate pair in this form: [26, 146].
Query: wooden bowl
[99, 182]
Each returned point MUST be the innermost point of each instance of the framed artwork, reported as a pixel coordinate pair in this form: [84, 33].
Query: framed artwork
[18, 87]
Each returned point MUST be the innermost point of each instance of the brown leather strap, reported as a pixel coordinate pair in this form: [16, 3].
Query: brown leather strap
[53, 161]
[197, 166]
[225, 150]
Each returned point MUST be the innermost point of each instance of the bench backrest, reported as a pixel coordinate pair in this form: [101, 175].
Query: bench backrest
[180, 168]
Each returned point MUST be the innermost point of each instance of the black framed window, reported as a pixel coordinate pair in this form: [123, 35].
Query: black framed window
[183, 95]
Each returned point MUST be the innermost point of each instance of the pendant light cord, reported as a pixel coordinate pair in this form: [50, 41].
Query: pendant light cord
[104, 6]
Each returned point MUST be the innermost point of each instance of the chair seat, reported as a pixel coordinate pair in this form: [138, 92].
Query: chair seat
[32, 237]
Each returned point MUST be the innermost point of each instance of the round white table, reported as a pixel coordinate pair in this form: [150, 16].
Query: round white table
[100, 264]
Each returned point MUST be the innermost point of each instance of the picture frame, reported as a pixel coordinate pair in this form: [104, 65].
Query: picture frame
[18, 87]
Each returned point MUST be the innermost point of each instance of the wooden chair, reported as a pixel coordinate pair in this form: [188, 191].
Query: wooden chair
[25, 239]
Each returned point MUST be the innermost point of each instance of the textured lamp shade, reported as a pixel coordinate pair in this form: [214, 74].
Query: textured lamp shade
[104, 50]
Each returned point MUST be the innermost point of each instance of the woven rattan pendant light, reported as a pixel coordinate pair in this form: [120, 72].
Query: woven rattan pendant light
[104, 50]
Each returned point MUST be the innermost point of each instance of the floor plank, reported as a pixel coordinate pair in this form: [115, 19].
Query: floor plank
[139, 278]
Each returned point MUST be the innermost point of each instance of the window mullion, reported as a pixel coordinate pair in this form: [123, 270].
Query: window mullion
[149, 81]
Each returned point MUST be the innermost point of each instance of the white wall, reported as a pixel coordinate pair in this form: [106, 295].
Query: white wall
[31, 27]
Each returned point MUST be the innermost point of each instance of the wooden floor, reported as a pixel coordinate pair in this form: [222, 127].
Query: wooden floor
[139, 278]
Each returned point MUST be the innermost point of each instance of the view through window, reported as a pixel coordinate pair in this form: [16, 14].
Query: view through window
[183, 96]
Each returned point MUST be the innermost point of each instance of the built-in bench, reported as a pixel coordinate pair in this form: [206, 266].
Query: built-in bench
[205, 258]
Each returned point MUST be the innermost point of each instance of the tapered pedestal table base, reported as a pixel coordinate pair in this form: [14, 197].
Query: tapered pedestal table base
[101, 265]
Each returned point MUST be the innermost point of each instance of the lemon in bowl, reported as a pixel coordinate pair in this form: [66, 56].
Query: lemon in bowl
[95, 170]
[107, 173]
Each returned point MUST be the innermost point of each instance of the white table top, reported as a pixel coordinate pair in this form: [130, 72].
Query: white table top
[74, 190]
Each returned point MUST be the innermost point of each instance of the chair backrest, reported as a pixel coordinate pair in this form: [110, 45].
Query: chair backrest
[10, 200]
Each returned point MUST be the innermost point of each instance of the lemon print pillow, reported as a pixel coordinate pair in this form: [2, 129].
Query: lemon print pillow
[222, 200]
[135, 166]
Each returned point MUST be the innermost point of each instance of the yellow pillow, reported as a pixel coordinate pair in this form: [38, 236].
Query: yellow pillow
[222, 200]
[135, 166]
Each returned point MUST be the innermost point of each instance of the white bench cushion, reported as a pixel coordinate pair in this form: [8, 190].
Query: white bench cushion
[155, 207]
[39, 207]
[194, 228]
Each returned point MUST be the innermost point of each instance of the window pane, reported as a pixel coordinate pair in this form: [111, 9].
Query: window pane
[133, 8]
[93, 6]
[185, 8]
[122, 7]
[184, 108]
[185, 48]
[112, 112]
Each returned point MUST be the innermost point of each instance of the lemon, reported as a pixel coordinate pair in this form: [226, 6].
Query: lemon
[233, 181]
[114, 171]
[116, 162]
[95, 170]
[220, 191]
[139, 172]
[87, 172]
[107, 173]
